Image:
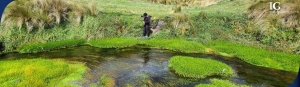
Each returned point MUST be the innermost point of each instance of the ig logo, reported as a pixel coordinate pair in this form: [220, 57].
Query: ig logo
[273, 6]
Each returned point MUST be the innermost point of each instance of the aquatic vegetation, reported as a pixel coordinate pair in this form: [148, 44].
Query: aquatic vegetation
[199, 67]
[172, 44]
[252, 55]
[177, 45]
[258, 56]
[129, 85]
[113, 42]
[107, 81]
[39, 73]
[220, 83]
[33, 48]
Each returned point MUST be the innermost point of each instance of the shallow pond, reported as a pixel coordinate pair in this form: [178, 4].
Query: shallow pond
[144, 66]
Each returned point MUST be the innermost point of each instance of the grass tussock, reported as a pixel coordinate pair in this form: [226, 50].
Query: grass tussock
[198, 67]
[220, 83]
[278, 29]
[258, 56]
[40, 14]
[33, 48]
[39, 73]
[177, 45]
[288, 15]
[113, 42]
[177, 9]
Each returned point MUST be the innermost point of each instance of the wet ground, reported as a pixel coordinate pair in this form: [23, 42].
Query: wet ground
[144, 66]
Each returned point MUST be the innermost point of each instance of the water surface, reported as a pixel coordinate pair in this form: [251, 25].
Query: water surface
[144, 66]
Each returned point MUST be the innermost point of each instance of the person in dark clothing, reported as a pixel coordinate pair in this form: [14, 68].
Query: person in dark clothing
[1, 47]
[146, 21]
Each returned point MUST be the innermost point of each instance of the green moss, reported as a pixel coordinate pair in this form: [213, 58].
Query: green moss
[199, 67]
[33, 48]
[113, 42]
[220, 83]
[177, 45]
[172, 44]
[258, 56]
[39, 73]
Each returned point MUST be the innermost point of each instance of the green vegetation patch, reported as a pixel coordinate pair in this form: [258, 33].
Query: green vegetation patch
[258, 56]
[107, 81]
[172, 44]
[113, 42]
[39, 73]
[220, 83]
[104, 81]
[199, 67]
[177, 45]
[33, 48]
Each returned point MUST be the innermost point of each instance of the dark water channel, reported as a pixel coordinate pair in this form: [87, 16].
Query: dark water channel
[144, 66]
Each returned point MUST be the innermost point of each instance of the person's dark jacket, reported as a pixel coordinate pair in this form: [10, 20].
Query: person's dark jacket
[147, 20]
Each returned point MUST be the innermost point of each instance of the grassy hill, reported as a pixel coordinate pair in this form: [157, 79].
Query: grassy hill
[116, 18]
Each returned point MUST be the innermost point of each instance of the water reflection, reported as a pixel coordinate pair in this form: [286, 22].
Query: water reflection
[146, 55]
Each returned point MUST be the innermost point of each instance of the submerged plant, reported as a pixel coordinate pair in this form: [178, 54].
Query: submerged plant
[106, 81]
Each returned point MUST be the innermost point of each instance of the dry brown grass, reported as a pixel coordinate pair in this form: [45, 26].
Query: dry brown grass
[288, 15]
[186, 2]
[278, 29]
[177, 9]
[38, 14]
